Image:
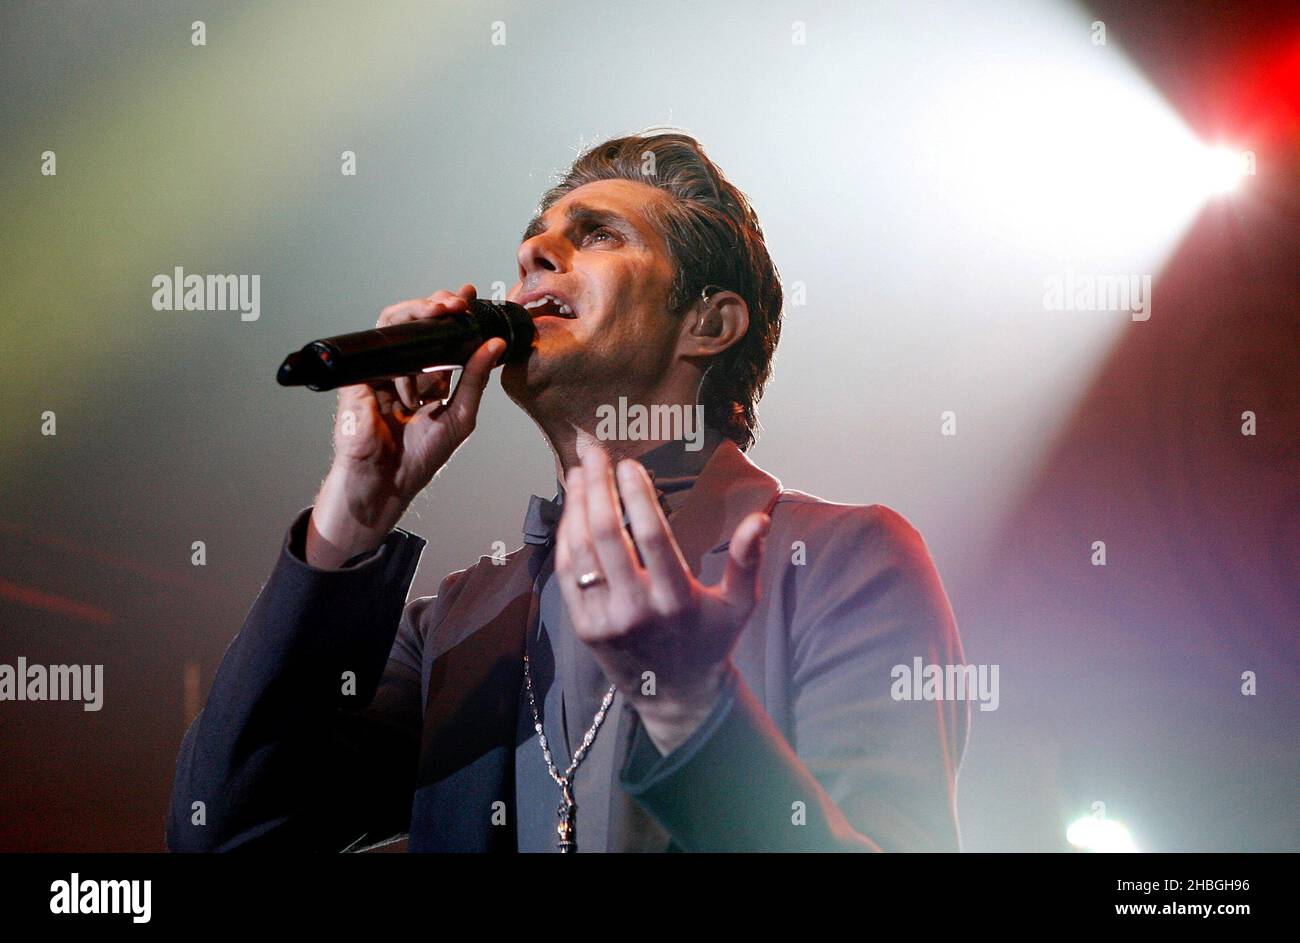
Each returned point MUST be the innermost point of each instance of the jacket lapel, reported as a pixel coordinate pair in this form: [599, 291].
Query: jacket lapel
[729, 488]
[474, 671]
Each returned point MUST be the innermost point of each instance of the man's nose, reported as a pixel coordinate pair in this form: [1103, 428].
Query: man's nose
[540, 253]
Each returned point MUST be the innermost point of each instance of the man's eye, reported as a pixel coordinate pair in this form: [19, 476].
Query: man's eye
[603, 233]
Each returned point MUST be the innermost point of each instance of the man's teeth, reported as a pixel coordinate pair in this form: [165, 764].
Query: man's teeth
[550, 299]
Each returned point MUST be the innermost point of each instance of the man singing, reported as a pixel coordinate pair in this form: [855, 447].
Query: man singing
[682, 655]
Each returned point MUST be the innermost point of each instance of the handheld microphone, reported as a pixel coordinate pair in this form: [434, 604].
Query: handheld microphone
[448, 340]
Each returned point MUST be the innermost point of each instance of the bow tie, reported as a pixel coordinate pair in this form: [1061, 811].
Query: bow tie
[543, 516]
[541, 519]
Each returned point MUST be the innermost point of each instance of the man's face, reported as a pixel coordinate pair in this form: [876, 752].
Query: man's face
[596, 251]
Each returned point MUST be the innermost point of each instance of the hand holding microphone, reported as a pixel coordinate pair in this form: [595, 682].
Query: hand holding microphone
[393, 434]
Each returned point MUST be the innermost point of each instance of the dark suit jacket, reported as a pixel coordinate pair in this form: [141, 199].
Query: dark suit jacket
[807, 750]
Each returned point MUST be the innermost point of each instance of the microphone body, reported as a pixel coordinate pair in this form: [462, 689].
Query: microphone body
[385, 352]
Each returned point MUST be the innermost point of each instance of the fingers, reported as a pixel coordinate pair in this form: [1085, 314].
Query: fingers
[434, 386]
[462, 411]
[739, 586]
[360, 398]
[592, 538]
[440, 302]
[409, 388]
[613, 547]
[575, 556]
[662, 558]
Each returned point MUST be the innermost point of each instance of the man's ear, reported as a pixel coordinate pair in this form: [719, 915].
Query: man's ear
[711, 326]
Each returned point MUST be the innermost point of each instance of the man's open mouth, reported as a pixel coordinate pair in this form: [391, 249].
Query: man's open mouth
[549, 306]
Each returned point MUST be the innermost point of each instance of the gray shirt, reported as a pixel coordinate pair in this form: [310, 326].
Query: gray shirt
[569, 687]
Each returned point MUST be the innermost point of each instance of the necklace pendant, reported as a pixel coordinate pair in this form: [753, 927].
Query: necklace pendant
[568, 843]
[568, 812]
[567, 828]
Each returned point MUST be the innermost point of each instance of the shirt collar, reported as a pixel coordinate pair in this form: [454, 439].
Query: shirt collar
[672, 466]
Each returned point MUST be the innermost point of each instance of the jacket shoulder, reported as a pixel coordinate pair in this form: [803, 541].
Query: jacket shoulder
[876, 522]
[864, 555]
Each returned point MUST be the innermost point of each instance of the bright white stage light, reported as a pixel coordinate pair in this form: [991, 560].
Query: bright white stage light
[1068, 153]
[1223, 169]
[1002, 156]
[1102, 835]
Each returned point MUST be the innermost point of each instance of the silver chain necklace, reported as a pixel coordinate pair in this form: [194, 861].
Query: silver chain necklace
[568, 812]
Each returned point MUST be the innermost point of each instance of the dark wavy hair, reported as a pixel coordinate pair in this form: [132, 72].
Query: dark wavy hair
[714, 237]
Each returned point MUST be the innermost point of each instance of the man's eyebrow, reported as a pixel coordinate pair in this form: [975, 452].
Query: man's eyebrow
[580, 214]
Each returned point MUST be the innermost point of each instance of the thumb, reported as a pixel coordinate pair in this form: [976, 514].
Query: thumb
[740, 582]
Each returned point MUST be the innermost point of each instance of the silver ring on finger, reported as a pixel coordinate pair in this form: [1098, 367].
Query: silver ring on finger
[589, 579]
